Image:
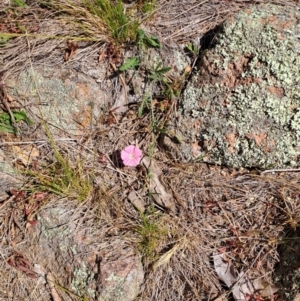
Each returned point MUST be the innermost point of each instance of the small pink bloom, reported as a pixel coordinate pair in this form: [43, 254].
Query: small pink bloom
[131, 155]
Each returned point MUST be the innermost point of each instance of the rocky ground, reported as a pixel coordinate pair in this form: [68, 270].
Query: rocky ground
[210, 95]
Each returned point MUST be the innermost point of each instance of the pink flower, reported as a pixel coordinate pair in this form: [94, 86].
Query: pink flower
[131, 155]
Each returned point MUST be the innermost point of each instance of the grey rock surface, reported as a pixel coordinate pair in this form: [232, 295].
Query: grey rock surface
[242, 108]
[87, 263]
[69, 101]
[9, 178]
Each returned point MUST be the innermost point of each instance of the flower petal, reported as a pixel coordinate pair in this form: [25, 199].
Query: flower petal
[124, 155]
[138, 153]
[130, 162]
[131, 155]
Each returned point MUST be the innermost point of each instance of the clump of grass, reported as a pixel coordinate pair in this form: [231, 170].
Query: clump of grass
[61, 177]
[147, 6]
[110, 17]
[151, 234]
[121, 27]
[94, 18]
[82, 20]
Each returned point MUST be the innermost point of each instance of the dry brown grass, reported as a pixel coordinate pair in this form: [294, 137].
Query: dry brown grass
[183, 21]
[242, 212]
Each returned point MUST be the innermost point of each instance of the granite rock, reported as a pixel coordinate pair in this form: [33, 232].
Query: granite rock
[242, 107]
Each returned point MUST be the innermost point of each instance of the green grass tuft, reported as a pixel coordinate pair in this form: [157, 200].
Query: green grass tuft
[113, 15]
[151, 234]
[148, 6]
[61, 177]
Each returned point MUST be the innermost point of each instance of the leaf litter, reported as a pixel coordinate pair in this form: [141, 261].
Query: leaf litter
[241, 286]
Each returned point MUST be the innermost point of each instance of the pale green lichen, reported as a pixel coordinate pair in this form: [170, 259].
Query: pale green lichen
[181, 61]
[81, 276]
[114, 292]
[262, 109]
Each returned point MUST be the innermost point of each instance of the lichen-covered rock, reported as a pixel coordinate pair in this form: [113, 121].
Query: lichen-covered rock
[242, 108]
